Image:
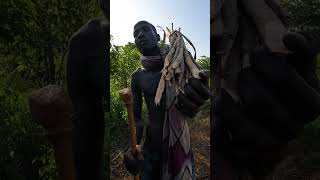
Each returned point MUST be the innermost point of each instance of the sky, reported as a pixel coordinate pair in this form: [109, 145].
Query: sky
[192, 16]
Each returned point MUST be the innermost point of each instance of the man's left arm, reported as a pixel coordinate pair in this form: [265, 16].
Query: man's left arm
[196, 92]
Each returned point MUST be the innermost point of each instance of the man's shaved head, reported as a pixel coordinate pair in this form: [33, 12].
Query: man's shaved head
[146, 22]
[146, 38]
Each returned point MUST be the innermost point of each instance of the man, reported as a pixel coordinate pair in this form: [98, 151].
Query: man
[266, 87]
[144, 84]
[87, 85]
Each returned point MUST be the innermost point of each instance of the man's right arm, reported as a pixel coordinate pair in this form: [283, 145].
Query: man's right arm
[134, 162]
[137, 105]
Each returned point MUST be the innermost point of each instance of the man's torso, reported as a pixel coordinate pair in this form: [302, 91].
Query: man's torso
[148, 81]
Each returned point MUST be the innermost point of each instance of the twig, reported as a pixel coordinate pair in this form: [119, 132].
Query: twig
[203, 177]
[117, 156]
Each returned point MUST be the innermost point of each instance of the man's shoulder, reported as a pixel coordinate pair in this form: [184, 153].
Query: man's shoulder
[89, 39]
[91, 30]
[137, 73]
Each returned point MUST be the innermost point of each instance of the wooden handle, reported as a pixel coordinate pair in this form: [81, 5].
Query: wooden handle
[51, 107]
[136, 177]
[126, 96]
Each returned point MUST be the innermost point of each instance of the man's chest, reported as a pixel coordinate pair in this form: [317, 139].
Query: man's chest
[149, 82]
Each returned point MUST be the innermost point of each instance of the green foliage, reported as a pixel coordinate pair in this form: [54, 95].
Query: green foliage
[204, 63]
[304, 14]
[124, 61]
[35, 34]
[34, 37]
[22, 141]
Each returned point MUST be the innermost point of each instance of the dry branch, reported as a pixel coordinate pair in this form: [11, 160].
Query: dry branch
[179, 65]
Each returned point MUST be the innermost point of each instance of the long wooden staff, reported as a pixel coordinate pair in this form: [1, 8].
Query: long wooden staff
[51, 107]
[126, 97]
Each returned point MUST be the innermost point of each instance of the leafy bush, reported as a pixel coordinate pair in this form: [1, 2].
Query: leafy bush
[34, 39]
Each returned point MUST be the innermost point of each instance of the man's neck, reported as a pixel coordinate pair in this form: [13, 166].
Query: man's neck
[155, 52]
[153, 62]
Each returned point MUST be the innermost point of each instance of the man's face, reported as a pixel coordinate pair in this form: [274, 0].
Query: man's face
[145, 37]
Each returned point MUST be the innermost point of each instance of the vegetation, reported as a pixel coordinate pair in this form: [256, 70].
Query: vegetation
[304, 14]
[34, 37]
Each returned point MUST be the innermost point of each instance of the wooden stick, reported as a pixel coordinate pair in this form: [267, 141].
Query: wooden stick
[126, 97]
[52, 108]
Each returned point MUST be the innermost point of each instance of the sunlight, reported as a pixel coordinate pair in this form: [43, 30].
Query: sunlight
[125, 13]
[121, 14]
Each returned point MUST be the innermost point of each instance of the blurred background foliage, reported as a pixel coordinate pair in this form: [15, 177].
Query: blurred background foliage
[304, 14]
[34, 37]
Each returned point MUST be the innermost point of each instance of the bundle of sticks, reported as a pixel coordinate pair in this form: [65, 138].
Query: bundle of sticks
[179, 65]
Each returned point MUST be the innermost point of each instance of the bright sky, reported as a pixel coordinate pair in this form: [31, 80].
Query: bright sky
[192, 16]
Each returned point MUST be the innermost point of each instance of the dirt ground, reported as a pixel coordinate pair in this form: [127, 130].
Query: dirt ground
[200, 141]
